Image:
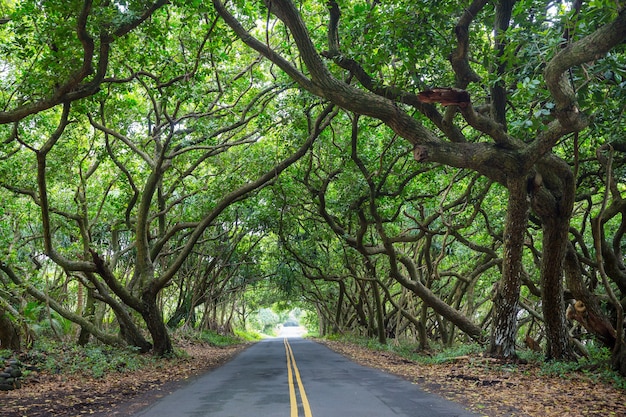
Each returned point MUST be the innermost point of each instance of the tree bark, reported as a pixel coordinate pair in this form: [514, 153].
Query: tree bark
[552, 198]
[587, 309]
[439, 306]
[380, 319]
[152, 315]
[555, 233]
[338, 324]
[498, 91]
[89, 313]
[504, 330]
[9, 333]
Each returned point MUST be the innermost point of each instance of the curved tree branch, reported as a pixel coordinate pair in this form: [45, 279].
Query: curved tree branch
[77, 86]
[242, 192]
[589, 48]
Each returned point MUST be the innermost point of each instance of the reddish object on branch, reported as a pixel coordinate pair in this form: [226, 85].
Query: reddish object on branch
[447, 96]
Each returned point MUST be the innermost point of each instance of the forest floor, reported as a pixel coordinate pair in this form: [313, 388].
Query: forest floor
[116, 394]
[482, 385]
[491, 388]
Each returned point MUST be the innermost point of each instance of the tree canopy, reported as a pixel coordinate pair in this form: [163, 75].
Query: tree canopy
[435, 170]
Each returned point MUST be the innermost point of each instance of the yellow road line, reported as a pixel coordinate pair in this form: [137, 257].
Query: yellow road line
[291, 363]
[292, 388]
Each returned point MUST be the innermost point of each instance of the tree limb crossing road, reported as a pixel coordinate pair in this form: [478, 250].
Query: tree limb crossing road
[299, 378]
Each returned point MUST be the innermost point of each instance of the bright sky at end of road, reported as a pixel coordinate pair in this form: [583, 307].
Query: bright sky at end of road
[288, 331]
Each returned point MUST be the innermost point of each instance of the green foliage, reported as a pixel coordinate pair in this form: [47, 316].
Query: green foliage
[598, 357]
[248, 336]
[265, 321]
[94, 360]
[411, 351]
[596, 367]
[185, 104]
[44, 322]
[311, 322]
[6, 354]
[444, 355]
[217, 339]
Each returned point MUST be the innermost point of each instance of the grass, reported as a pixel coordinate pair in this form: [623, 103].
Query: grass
[219, 340]
[214, 338]
[248, 336]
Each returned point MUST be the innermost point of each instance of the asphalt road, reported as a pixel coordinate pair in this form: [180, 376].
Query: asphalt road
[294, 377]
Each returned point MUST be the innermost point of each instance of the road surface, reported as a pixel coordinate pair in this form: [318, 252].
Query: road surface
[294, 377]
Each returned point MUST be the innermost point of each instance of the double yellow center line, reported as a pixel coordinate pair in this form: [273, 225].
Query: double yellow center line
[292, 369]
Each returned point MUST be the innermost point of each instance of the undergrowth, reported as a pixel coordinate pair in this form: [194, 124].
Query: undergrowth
[248, 336]
[597, 367]
[93, 360]
[216, 339]
[408, 350]
[99, 360]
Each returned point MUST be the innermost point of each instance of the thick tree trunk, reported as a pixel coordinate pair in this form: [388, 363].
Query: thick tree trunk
[380, 320]
[618, 360]
[587, 309]
[152, 315]
[555, 233]
[552, 193]
[504, 331]
[421, 329]
[9, 334]
[129, 331]
[132, 334]
[89, 313]
[338, 324]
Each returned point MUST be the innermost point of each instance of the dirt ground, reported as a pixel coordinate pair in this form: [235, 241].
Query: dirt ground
[487, 387]
[116, 394]
[479, 384]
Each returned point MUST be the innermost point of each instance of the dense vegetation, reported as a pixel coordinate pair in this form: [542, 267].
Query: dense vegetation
[431, 171]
